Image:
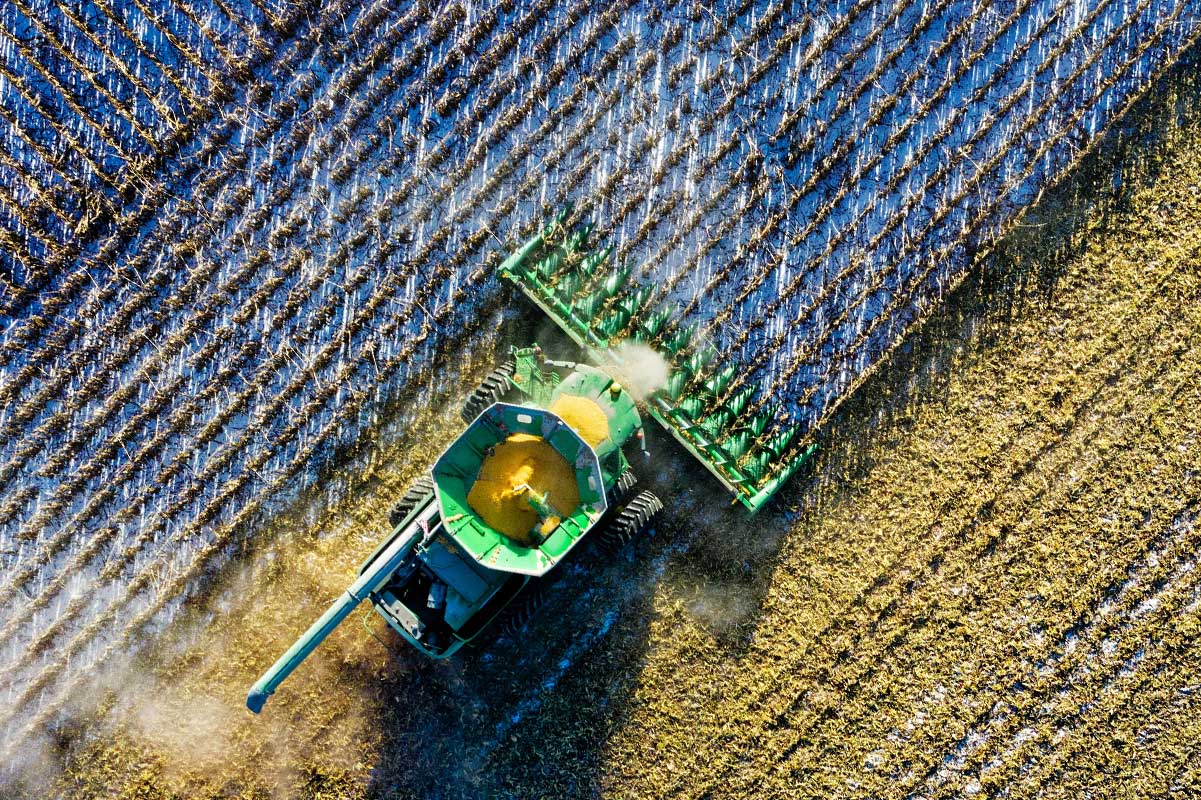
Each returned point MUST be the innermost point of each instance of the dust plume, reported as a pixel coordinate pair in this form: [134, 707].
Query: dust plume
[640, 368]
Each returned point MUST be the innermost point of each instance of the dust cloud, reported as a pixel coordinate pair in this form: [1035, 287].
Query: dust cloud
[640, 368]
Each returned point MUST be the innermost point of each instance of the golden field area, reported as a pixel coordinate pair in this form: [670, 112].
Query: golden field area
[985, 584]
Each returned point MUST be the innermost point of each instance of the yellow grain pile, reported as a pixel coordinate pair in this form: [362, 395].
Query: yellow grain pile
[499, 495]
[584, 416]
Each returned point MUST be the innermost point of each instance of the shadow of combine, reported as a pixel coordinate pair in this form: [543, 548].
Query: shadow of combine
[532, 717]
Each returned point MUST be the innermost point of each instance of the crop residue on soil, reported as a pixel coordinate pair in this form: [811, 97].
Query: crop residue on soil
[990, 586]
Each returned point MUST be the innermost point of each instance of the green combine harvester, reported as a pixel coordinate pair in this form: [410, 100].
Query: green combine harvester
[543, 460]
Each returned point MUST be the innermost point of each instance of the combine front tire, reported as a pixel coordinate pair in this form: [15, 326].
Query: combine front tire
[630, 521]
[422, 488]
[491, 390]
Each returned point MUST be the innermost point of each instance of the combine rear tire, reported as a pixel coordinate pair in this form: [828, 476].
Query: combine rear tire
[522, 610]
[630, 521]
[422, 488]
[491, 390]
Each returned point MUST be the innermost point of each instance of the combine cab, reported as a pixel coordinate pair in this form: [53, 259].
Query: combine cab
[543, 462]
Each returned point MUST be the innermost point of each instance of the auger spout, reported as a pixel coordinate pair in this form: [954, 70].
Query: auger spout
[369, 581]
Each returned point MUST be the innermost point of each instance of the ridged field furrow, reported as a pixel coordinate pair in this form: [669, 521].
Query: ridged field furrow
[231, 231]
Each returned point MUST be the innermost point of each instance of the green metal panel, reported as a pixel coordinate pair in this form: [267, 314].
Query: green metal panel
[530, 379]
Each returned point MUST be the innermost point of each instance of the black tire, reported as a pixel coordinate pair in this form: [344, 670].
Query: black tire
[625, 482]
[493, 389]
[630, 521]
[422, 488]
[523, 609]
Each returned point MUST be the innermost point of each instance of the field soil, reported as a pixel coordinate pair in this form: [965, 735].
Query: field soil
[985, 583]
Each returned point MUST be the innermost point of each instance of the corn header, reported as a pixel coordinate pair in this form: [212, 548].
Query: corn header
[706, 406]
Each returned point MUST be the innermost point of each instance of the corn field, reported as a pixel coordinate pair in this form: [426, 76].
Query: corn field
[246, 245]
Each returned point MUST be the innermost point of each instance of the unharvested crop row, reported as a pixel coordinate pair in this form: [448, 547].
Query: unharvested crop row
[33, 100]
[856, 264]
[846, 103]
[914, 243]
[864, 167]
[783, 44]
[105, 48]
[136, 166]
[210, 147]
[196, 237]
[41, 200]
[139, 301]
[905, 302]
[21, 40]
[69, 284]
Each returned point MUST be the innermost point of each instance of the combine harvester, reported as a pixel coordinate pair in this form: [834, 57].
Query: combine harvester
[542, 461]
